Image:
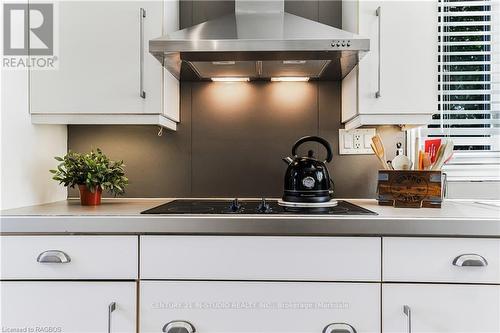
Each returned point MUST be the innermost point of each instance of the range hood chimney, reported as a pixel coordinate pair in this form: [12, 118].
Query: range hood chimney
[258, 42]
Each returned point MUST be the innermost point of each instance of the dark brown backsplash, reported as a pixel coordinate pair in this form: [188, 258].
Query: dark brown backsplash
[232, 136]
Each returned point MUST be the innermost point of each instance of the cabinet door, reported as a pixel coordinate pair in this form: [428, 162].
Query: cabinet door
[265, 307]
[435, 308]
[99, 61]
[408, 58]
[69, 307]
[171, 92]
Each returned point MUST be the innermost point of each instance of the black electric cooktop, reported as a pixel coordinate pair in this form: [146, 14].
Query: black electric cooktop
[194, 206]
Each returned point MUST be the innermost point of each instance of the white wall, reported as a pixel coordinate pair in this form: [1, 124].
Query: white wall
[27, 150]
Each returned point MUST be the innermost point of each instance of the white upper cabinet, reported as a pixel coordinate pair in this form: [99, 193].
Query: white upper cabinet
[171, 92]
[105, 73]
[396, 81]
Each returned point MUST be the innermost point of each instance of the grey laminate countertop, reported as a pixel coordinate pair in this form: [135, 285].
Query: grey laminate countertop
[122, 216]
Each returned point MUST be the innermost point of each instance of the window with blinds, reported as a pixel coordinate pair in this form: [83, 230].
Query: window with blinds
[469, 109]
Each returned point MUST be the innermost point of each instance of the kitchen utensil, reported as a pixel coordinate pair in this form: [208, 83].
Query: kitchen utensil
[401, 162]
[379, 150]
[444, 154]
[376, 154]
[426, 161]
[420, 160]
[307, 178]
[416, 153]
[431, 147]
[439, 155]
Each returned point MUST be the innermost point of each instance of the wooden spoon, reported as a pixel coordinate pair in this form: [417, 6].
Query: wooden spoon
[376, 154]
[379, 150]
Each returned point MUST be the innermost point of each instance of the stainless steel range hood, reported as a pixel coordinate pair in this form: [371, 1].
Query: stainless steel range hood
[259, 41]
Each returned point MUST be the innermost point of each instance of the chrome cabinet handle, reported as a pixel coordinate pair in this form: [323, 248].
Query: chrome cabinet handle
[339, 328]
[142, 93]
[470, 259]
[378, 12]
[178, 326]
[407, 312]
[111, 308]
[53, 257]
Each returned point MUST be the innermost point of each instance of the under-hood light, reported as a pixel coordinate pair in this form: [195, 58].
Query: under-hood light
[230, 79]
[290, 79]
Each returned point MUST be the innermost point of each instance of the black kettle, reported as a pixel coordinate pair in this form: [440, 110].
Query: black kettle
[307, 178]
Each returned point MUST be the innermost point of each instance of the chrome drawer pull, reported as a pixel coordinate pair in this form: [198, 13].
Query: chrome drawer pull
[178, 326]
[407, 312]
[53, 257]
[339, 328]
[111, 308]
[471, 259]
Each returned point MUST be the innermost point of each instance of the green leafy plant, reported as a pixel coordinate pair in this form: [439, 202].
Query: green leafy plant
[93, 169]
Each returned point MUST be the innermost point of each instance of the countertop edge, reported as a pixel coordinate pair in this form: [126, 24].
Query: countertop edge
[296, 226]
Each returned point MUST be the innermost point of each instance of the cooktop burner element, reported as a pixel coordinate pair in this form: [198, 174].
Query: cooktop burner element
[236, 206]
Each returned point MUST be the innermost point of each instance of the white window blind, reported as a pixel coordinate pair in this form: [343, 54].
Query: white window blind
[469, 99]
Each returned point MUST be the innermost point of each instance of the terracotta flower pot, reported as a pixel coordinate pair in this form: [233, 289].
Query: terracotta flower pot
[88, 198]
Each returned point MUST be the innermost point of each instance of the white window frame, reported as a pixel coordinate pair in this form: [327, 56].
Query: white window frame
[470, 174]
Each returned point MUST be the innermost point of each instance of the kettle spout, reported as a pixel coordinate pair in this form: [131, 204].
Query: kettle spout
[287, 160]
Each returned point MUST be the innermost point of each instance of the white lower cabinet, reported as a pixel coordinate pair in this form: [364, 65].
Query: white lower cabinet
[265, 307]
[68, 307]
[440, 308]
[183, 289]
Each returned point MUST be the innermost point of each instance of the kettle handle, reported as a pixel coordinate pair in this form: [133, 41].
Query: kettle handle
[329, 154]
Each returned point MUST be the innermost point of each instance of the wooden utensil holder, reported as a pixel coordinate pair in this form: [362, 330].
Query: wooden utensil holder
[410, 188]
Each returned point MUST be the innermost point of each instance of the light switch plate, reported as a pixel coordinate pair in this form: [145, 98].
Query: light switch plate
[356, 142]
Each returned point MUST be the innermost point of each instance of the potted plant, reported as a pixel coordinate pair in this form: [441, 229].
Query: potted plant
[92, 172]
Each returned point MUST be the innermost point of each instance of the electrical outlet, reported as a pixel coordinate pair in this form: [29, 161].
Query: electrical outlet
[356, 141]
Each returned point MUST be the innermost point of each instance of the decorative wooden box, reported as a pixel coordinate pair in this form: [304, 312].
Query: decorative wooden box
[410, 188]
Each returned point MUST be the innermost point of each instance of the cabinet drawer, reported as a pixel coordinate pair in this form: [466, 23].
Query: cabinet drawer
[261, 258]
[459, 260]
[69, 257]
[266, 307]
